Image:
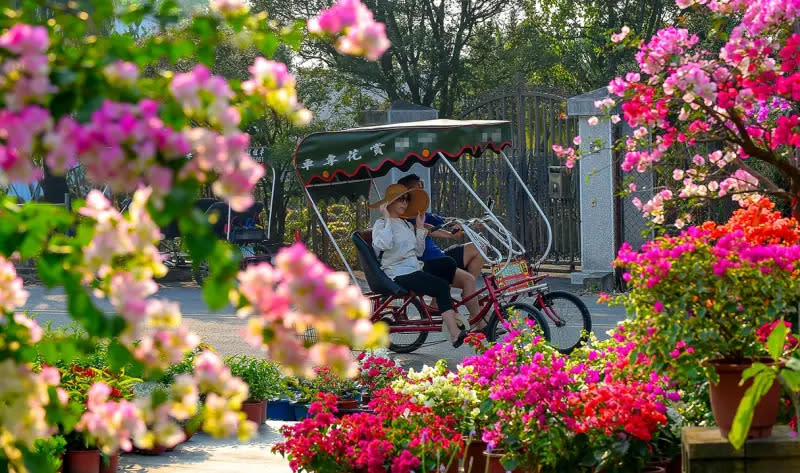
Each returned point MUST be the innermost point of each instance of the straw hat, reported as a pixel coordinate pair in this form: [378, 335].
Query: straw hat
[418, 203]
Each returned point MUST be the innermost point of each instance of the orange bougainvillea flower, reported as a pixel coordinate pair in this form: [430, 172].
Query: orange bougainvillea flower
[761, 224]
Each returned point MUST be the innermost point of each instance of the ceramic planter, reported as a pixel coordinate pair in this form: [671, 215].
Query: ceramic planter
[109, 464]
[280, 410]
[726, 395]
[82, 461]
[300, 411]
[256, 411]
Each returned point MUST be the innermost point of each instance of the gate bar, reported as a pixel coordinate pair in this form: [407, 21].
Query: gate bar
[330, 235]
[536, 204]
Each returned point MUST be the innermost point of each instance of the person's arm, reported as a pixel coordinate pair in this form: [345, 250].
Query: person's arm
[382, 235]
[421, 234]
[446, 235]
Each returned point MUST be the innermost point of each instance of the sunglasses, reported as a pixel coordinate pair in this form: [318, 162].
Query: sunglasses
[404, 198]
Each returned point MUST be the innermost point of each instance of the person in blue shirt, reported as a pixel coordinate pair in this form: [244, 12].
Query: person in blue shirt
[468, 261]
[466, 255]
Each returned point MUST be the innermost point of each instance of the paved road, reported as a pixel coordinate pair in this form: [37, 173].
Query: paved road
[221, 329]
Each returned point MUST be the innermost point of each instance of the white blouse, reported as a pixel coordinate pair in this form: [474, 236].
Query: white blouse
[401, 245]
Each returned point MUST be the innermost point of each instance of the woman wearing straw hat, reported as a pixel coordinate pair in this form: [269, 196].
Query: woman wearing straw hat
[399, 243]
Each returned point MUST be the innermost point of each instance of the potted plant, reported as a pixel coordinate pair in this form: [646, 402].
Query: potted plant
[109, 463]
[375, 373]
[701, 296]
[345, 389]
[52, 450]
[399, 436]
[782, 346]
[264, 379]
[302, 393]
[279, 406]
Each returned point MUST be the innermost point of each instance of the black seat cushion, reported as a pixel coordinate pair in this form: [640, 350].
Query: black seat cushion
[377, 280]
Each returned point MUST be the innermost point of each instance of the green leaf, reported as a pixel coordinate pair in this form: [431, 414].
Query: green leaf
[103, 9]
[268, 44]
[776, 340]
[792, 379]
[118, 356]
[752, 371]
[48, 351]
[215, 291]
[510, 464]
[169, 8]
[36, 461]
[136, 13]
[81, 309]
[793, 364]
[744, 414]
[50, 270]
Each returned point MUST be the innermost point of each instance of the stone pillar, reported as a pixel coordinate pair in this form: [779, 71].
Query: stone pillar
[399, 112]
[596, 193]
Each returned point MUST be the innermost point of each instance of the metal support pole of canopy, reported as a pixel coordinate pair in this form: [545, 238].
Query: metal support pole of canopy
[271, 201]
[508, 243]
[330, 235]
[536, 204]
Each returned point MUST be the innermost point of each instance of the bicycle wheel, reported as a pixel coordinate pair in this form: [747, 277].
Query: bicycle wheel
[404, 342]
[497, 331]
[568, 318]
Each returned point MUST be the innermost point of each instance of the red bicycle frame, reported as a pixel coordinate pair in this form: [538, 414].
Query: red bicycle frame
[431, 319]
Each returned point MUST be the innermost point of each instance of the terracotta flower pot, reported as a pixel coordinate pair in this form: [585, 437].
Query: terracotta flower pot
[255, 411]
[726, 395]
[155, 451]
[111, 466]
[475, 455]
[82, 461]
[675, 465]
[493, 458]
[654, 469]
[661, 462]
[347, 404]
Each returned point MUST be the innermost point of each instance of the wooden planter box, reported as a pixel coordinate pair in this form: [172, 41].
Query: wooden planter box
[706, 451]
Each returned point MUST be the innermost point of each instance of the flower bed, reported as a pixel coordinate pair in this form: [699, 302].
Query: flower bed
[599, 409]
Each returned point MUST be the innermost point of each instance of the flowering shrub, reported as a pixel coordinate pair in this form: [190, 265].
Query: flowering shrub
[599, 408]
[603, 408]
[326, 381]
[264, 378]
[377, 372]
[743, 95]
[399, 437]
[704, 293]
[445, 393]
[159, 136]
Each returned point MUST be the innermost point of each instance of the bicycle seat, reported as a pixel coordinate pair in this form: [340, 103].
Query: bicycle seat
[377, 280]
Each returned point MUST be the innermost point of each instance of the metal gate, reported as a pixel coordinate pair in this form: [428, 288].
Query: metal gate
[539, 120]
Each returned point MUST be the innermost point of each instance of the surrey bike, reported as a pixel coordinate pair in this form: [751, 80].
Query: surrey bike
[343, 165]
